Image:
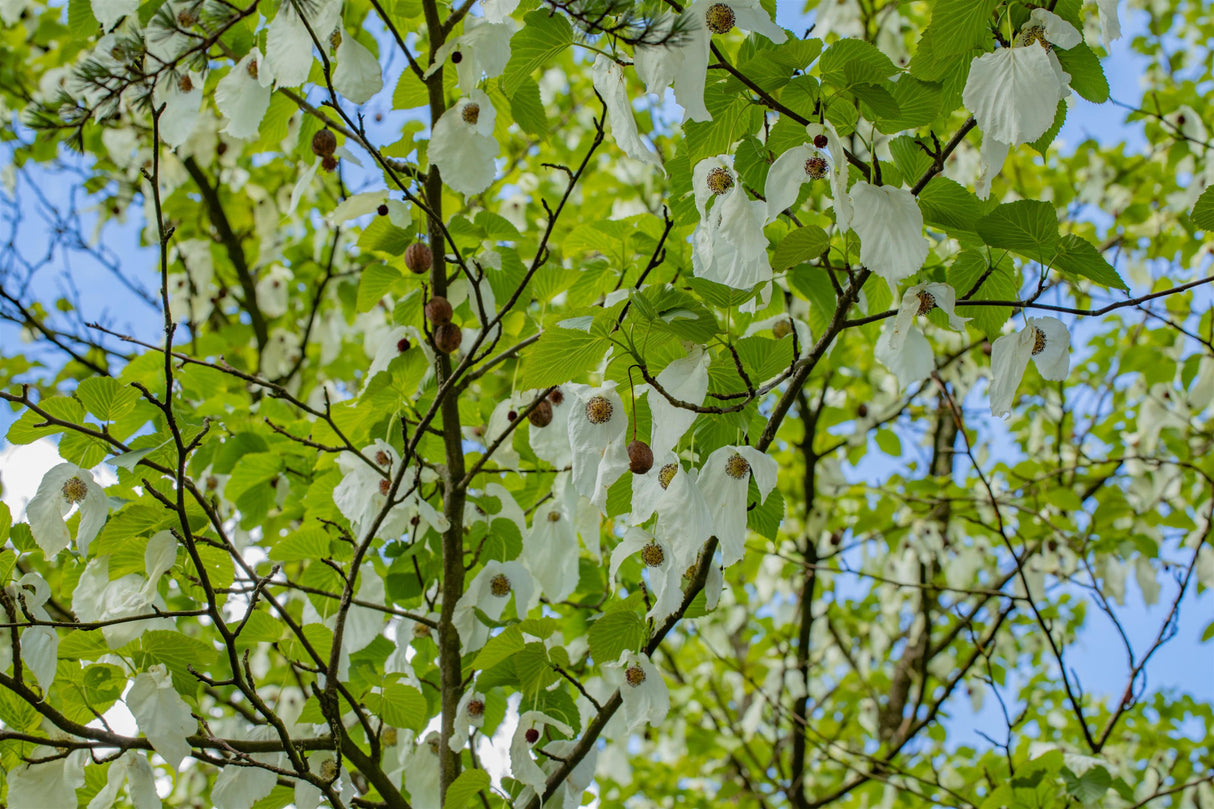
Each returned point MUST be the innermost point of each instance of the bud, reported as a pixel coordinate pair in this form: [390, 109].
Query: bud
[438, 310]
[640, 457]
[324, 143]
[328, 162]
[382, 210]
[782, 329]
[820, 141]
[447, 337]
[862, 410]
[541, 415]
[418, 258]
[532, 736]
[512, 415]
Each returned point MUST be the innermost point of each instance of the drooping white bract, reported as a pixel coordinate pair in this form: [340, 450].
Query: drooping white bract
[469, 715]
[243, 96]
[805, 163]
[575, 784]
[63, 487]
[551, 443]
[597, 433]
[1110, 25]
[241, 787]
[728, 245]
[505, 456]
[462, 145]
[902, 348]
[1014, 92]
[550, 549]
[182, 99]
[646, 700]
[51, 783]
[663, 565]
[273, 290]
[684, 519]
[357, 75]
[39, 644]
[109, 12]
[131, 768]
[1044, 340]
[363, 491]
[685, 379]
[483, 48]
[890, 226]
[422, 771]
[522, 764]
[288, 43]
[685, 65]
[609, 81]
[724, 480]
[97, 598]
[498, 10]
[489, 591]
[162, 714]
[393, 344]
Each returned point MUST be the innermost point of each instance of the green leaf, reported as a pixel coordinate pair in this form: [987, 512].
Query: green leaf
[374, 282]
[527, 110]
[998, 284]
[1087, 74]
[1028, 227]
[176, 651]
[561, 355]
[614, 633]
[403, 706]
[308, 543]
[1208, 633]
[542, 37]
[6, 522]
[910, 159]
[384, 237]
[105, 397]
[534, 668]
[1203, 211]
[948, 205]
[465, 787]
[732, 119]
[507, 643]
[1080, 257]
[959, 25]
[24, 429]
[1089, 787]
[854, 61]
[80, 19]
[800, 245]
[1043, 143]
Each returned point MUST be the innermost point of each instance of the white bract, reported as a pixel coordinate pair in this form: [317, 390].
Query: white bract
[462, 145]
[609, 81]
[685, 379]
[1110, 25]
[728, 245]
[522, 763]
[1014, 92]
[663, 565]
[551, 442]
[686, 64]
[162, 714]
[357, 75]
[490, 591]
[39, 644]
[902, 348]
[273, 290]
[97, 598]
[363, 492]
[597, 438]
[683, 516]
[288, 43]
[182, 99]
[550, 549]
[133, 769]
[1044, 340]
[890, 227]
[50, 783]
[806, 163]
[483, 48]
[646, 700]
[469, 715]
[64, 487]
[724, 480]
[243, 96]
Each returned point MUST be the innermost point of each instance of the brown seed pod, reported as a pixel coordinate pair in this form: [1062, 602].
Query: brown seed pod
[324, 143]
[447, 337]
[541, 416]
[328, 162]
[438, 310]
[418, 257]
[640, 457]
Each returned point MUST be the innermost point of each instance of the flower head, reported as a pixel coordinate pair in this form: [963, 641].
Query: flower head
[597, 427]
[662, 564]
[646, 700]
[64, 488]
[462, 144]
[728, 246]
[902, 347]
[725, 480]
[489, 592]
[1044, 340]
[806, 163]
[527, 736]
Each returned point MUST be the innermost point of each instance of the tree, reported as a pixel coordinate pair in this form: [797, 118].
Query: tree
[471, 405]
